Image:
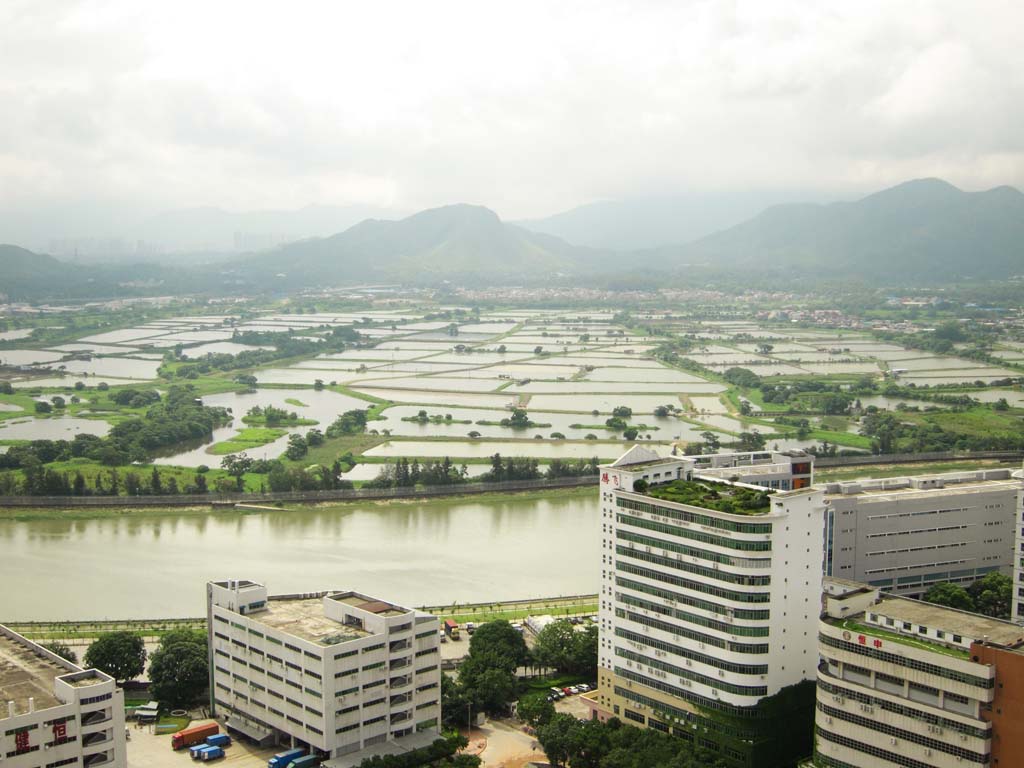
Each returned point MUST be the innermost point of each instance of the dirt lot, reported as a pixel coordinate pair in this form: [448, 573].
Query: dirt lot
[507, 746]
[146, 750]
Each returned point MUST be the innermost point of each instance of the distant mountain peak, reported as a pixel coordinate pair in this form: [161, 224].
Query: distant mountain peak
[925, 229]
[459, 241]
[459, 211]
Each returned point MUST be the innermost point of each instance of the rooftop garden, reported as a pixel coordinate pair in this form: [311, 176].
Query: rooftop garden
[717, 496]
[915, 641]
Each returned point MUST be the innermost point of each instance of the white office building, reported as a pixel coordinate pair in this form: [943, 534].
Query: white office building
[54, 713]
[905, 534]
[334, 671]
[907, 684]
[710, 594]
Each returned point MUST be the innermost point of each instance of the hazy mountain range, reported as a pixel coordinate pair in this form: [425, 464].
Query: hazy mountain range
[921, 231]
[651, 222]
[84, 233]
[925, 229]
[456, 242]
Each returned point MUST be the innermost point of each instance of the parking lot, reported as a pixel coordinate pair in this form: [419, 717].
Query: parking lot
[147, 750]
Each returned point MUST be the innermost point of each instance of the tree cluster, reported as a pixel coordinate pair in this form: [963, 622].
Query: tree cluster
[283, 345]
[511, 468]
[315, 477]
[593, 744]
[572, 467]
[39, 480]
[406, 474]
[560, 645]
[179, 668]
[742, 377]
[487, 681]
[349, 423]
[440, 753]
[891, 434]
[518, 420]
[176, 418]
[122, 655]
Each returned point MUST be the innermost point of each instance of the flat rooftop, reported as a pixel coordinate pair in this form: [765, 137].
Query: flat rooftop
[968, 625]
[368, 604]
[920, 486]
[24, 675]
[304, 618]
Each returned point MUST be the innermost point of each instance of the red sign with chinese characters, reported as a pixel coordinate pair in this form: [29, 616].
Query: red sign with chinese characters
[21, 741]
[60, 731]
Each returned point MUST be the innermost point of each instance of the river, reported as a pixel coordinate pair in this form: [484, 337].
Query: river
[414, 553]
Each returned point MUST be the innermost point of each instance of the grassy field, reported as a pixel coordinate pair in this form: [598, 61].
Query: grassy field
[335, 447]
[842, 438]
[183, 476]
[977, 422]
[246, 440]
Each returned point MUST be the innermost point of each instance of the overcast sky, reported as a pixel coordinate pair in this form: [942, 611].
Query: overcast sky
[527, 107]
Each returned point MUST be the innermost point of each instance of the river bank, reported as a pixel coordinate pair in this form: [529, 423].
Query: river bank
[28, 514]
[461, 612]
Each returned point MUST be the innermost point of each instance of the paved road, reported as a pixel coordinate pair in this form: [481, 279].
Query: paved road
[146, 750]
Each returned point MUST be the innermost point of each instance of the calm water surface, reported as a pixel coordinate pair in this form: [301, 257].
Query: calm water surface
[414, 553]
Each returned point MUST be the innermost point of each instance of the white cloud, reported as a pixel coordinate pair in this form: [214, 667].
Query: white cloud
[528, 107]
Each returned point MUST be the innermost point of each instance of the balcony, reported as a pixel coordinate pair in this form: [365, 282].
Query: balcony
[400, 682]
[100, 758]
[401, 698]
[401, 663]
[96, 717]
[93, 739]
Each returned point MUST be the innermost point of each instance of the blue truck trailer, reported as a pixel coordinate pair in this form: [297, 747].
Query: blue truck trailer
[282, 759]
[219, 740]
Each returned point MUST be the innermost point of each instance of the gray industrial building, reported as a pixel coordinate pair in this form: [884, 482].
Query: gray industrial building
[905, 534]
